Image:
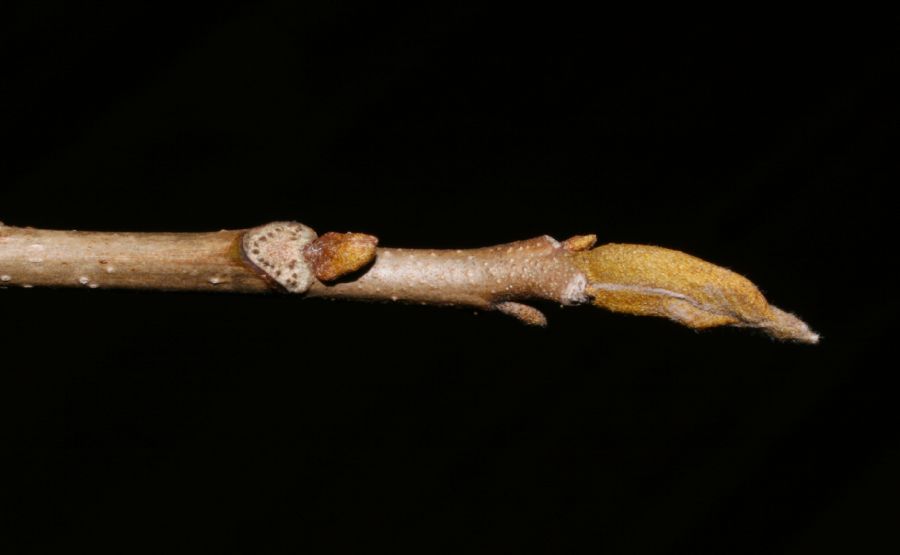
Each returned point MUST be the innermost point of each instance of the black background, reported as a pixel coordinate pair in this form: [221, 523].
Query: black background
[148, 422]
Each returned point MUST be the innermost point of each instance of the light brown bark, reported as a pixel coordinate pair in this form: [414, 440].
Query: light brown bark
[485, 278]
[161, 261]
[289, 257]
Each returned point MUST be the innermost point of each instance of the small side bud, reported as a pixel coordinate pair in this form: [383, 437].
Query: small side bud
[579, 242]
[335, 255]
[528, 315]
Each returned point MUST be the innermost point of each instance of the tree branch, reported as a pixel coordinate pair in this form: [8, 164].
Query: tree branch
[289, 257]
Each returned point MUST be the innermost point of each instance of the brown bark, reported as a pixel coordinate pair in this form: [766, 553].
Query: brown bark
[485, 278]
[537, 268]
[161, 261]
[289, 257]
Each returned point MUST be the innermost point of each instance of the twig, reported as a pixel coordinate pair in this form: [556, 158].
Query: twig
[289, 257]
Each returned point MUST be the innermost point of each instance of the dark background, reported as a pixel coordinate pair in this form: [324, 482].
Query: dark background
[147, 422]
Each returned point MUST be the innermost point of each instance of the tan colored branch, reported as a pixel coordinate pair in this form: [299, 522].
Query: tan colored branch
[290, 257]
[161, 261]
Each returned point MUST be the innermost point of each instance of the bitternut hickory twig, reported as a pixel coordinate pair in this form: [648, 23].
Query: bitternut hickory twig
[290, 257]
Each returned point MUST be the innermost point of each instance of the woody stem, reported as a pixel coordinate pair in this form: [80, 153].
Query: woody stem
[486, 278]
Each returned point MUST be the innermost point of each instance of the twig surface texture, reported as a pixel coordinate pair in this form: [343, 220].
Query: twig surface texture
[289, 257]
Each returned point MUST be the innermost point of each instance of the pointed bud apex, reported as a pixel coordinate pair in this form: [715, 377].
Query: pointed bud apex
[653, 281]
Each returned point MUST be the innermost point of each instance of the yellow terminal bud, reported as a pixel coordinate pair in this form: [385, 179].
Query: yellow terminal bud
[653, 281]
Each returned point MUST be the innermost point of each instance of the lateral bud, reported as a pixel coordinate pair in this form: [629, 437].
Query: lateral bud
[335, 255]
[291, 256]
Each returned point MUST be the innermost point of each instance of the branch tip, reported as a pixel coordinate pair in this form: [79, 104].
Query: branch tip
[289, 256]
[653, 281]
[785, 326]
